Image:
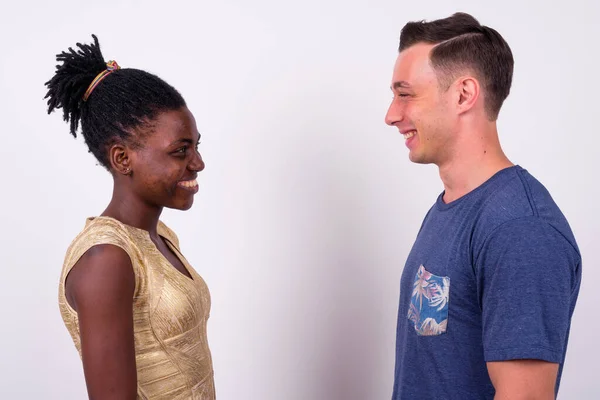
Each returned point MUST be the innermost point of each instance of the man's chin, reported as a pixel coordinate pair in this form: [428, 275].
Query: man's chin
[418, 158]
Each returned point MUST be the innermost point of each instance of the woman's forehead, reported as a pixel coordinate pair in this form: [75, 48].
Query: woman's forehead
[171, 126]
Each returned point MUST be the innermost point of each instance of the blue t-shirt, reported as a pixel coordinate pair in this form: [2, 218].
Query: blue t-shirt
[492, 276]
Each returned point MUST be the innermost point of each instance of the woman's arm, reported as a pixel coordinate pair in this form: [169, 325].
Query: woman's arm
[100, 288]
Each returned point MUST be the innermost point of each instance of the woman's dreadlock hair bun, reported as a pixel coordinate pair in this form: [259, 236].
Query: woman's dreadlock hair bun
[72, 78]
[124, 100]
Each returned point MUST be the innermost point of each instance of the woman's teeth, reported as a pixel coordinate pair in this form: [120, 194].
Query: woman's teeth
[189, 184]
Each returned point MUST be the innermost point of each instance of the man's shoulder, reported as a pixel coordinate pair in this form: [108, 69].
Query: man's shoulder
[520, 199]
[507, 199]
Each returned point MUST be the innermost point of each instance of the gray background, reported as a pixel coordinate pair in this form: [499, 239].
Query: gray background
[308, 206]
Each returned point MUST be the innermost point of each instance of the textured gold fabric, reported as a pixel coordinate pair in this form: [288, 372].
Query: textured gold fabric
[170, 312]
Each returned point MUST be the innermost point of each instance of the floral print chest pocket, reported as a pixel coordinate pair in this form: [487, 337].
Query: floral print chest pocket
[428, 309]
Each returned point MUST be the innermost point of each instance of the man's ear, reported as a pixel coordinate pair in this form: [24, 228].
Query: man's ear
[467, 91]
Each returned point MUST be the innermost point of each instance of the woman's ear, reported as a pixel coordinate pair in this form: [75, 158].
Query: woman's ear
[119, 158]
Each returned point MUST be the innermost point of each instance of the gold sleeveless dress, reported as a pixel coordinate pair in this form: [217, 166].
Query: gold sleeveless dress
[170, 312]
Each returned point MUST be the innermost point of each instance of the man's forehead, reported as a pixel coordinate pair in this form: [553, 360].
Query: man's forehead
[411, 64]
[416, 54]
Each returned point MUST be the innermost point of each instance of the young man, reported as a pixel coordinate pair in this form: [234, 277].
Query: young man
[490, 285]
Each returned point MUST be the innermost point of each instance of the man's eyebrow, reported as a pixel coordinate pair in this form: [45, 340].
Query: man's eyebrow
[401, 85]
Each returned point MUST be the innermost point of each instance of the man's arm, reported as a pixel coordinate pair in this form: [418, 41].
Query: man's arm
[529, 276]
[523, 379]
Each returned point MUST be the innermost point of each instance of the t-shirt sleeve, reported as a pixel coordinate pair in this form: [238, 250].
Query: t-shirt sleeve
[527, 276]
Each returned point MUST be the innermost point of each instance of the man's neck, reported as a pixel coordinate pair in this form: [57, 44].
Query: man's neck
[472, 163]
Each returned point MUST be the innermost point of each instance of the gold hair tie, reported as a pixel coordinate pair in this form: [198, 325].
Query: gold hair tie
[111, 67]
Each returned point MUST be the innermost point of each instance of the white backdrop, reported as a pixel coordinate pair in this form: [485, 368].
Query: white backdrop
[308, 205]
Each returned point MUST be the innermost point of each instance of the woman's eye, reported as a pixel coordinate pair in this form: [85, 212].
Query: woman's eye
[181, 150]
